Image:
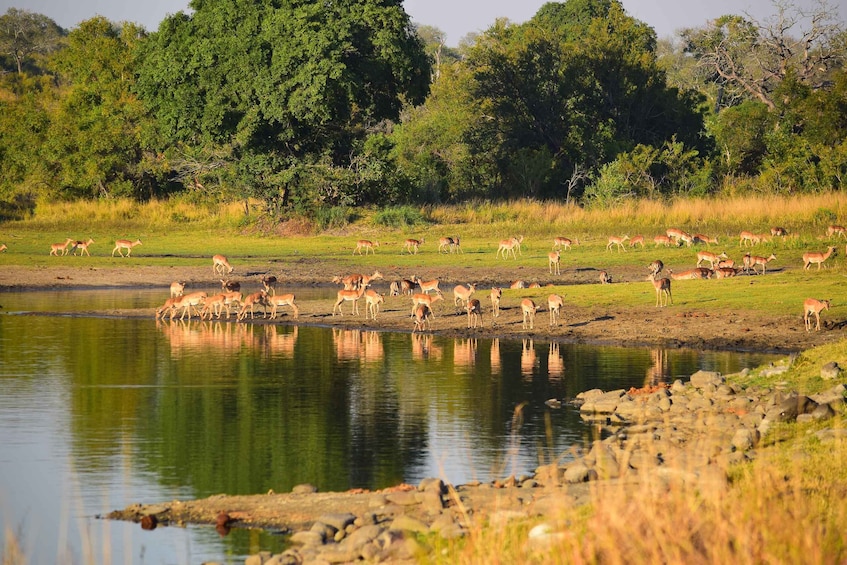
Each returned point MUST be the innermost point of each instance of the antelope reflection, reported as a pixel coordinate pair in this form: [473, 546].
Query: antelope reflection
[464, 352]
[555, 363]
[528, 358]
[495, 355]
[277, 343]
[423, 348]
[187, 336]
[658, 370]
[353, 345]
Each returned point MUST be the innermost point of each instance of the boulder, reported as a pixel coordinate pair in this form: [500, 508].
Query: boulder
[830, 371]
[704, 379]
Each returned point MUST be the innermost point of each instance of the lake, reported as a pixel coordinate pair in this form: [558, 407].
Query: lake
[99, 412]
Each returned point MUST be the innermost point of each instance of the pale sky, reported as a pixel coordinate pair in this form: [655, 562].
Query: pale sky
[454, 17]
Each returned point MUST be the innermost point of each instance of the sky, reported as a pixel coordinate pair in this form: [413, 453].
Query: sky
[456, 18]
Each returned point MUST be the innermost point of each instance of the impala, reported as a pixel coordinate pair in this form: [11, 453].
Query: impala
[367, 245]
[637, 240]
[836, 230]
[615, 240]
[528, 308]
[655, 267]
[426, 299]
[814, 306]
[372, 301]
[169, 305]
[663, 291]
[509, 245]
[605, 278]
[403, 286]
[726, 264]
[712, 258]
[446, 243]
[190, 301]
[413, 244]
[177, 289]
[778, 231]
[83, 247]
[283, 300]
[518, 284]
[213, 305]
[496, 294]
[368, 279]
[678, 235]
[229, 286]
[763, 261]
[563, 242]
[423, 317]
[662, 240]
[701, 238]
[60, 248]
[457, 246]
[554, 260]
[691, 274]
[747, 237]
[3, 247]
[474, 309]
[348, 295]
[220, 265]
[269, 284]
[725, 272]
[554, 304]
[231, 299]
[462, 294]
[251, 301]
[426, 286]
[819, 258]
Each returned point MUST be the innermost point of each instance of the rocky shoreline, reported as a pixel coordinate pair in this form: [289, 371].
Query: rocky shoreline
[687, 434]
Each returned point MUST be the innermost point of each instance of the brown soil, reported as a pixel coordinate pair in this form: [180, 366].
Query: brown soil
[669, 327]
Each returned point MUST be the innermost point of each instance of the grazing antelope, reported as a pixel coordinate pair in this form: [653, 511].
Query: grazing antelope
[367, 245]
[605, 278]
[403, 286]
[427, 299]
[725, 272]
[509, 245]
[474, 309]
[746, 237]
[655, 267]
[712, 258]
[351, 296]
[518, 284]
[836, 230]
[763, 261]
[283, 300]
[168, 306]
[177, 289]
[122, 244]
[423, 317]
[554, 260]
[190, 301]
[3, 247]
[563, 242]
[678, 235]
[462, 294]
[446, 244]
[662, 240]
[554, 304]
[496, 294]
[701, 238]
[60, 248]
[528, 308]
[229, 286]
[637, 240]
[691, 274]
[412, 245]
[220, 265]
[426, 286]
[615, 240]
[778, 231]
[83, 247]
[663, 291]
[456, 245]
[814, 306]
[372, 301]
[819, 258]
[269, 284]
[251, 301]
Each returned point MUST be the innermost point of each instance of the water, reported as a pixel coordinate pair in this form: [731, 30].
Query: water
[97, 413]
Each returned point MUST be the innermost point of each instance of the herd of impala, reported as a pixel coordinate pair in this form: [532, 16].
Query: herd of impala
[356, 286]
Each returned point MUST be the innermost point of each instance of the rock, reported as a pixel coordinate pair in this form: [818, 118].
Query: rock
[745, 439]
[307, 538]
[362, 536]
[704, 379]
[338, 521]
[402, 498]
[433, 484]
[404, 522]
[431, 501]
[830, 371]
[304, 489]
[579, 473]
[822, 412]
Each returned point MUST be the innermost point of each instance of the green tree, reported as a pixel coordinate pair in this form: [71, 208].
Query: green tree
[285, 84]
[25, 35]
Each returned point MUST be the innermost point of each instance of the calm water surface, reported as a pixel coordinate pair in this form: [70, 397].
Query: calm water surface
[97, 413]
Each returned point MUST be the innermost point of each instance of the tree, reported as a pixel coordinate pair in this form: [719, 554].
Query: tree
[285, 84]
[24, 34]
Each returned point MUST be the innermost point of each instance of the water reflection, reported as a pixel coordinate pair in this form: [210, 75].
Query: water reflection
[555, 363]
[464, 353]
[529, 360]
[424, 348]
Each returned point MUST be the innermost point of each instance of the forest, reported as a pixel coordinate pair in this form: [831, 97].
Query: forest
[311, 108]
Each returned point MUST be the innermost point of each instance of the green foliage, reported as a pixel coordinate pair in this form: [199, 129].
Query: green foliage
[335, 217]
[399, 217]
[24, 36]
